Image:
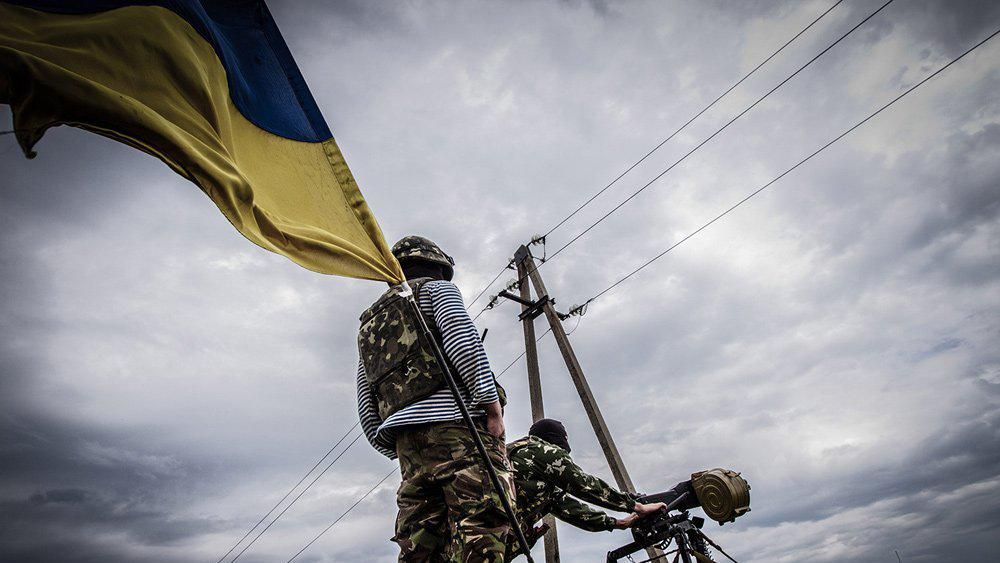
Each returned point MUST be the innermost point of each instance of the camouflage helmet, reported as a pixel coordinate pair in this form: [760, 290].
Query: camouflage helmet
[414, 247]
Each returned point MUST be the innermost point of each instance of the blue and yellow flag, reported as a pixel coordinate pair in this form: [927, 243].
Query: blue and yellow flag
[210, 88]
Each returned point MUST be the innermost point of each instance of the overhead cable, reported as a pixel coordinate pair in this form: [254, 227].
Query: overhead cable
[297, 497]
[665, 141]
[295, 486]
[521, 355]
[345, 513]
[798, 164]
[719, 130]
[701, 144]
[488, 286]
[691, 120]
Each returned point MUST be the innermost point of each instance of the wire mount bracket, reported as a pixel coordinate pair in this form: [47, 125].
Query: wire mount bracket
[534, 308]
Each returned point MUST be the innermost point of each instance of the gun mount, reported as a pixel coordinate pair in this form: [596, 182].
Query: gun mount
[723, 495]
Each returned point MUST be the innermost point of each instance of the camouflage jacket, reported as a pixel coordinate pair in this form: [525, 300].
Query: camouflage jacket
[547, 479]
[441, 301]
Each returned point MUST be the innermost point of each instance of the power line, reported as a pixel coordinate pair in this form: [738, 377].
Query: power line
[798, 164]
[378, 484]
[702, 143]
[493, 300]
[579, 318]
[720, 130]
[345, 513]
[667, 139]
[297, 497]
[691, 120]
[492, 303]
[488, 286]
[275, 507]
[521, 355]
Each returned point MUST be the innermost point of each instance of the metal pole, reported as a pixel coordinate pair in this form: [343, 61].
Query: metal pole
[453, 385]
[523, 256]
[537, 406]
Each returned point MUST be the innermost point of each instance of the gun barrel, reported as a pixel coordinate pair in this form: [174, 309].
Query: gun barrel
[680, 497]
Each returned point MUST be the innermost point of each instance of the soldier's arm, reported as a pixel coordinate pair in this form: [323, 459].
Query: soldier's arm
[582, 515]
[368, 415]
[571, 478]
[461, 342]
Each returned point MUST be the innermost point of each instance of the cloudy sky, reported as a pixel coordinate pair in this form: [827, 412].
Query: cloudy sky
[163, 382]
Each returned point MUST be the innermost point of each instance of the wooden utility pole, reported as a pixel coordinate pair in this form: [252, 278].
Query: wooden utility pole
[531, 351]
[526, 265]
[535, 394]
[621, 475]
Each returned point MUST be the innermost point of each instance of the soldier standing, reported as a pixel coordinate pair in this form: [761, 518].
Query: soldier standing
[448, 508]
[547, 480]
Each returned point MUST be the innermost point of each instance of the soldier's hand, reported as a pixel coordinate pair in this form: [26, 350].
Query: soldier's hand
[627, 522]
[494, 419]
[644, 510]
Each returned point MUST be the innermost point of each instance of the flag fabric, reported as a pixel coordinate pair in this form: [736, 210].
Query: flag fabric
[210, 88]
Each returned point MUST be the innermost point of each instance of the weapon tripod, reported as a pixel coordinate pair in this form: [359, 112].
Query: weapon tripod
[679, 531]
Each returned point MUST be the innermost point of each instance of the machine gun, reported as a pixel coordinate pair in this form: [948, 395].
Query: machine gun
[724, 496]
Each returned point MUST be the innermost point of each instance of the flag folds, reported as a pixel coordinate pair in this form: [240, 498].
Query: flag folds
[210, 88]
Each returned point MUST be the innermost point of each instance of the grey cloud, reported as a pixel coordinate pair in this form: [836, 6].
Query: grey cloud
[952, 24]
[73, 496]
[107, 500]
[603, 8]
[163, 381]
[45, 191]
[338, 21]
[943, 346]
[967, 182]
[964, 454]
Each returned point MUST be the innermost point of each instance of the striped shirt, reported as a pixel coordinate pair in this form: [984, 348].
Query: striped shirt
[442, 301]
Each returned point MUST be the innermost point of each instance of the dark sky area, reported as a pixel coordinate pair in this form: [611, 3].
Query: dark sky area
[163, 382]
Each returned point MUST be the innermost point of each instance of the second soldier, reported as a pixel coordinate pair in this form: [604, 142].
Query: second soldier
[548, 481]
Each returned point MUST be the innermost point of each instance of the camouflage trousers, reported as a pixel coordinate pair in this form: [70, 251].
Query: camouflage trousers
[449, 510]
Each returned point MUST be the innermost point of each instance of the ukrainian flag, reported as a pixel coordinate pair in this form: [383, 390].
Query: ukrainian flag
[210, 88]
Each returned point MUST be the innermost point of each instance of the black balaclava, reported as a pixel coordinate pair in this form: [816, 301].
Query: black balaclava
[552, 431]
[414, 269]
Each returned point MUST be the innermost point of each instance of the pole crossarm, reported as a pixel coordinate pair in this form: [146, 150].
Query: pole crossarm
[529, 309]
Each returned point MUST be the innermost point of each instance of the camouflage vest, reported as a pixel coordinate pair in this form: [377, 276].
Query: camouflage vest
[399, 361]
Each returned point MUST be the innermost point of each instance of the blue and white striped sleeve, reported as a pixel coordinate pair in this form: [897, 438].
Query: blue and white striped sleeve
[461, 342]
[370, 420]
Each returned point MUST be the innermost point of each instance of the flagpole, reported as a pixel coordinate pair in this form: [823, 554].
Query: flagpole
[407, 292]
